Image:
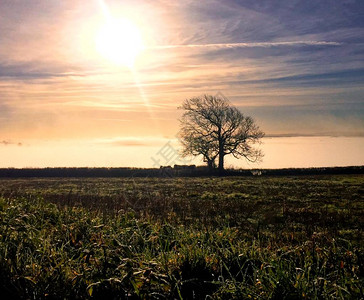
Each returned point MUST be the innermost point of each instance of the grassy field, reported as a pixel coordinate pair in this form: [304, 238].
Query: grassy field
[182, 238]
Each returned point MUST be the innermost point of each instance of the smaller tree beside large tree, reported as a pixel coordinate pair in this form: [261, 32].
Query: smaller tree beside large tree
[211, 127]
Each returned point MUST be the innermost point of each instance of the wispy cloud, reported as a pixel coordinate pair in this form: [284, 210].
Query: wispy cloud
[251, 45]
[132, 141]
[320, 134]
[7, 142]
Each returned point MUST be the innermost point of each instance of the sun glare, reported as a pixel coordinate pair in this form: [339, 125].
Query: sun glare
[119, 41]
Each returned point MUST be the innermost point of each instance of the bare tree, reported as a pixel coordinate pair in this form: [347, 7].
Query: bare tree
[211, 127]
[195, 144]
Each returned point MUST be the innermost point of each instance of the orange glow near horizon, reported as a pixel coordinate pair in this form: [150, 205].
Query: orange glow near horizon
[137, 152]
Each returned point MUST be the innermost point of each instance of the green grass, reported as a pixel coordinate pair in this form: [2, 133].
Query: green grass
[182, 238]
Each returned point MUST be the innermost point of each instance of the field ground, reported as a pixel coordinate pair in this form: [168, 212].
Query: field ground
[298, 237]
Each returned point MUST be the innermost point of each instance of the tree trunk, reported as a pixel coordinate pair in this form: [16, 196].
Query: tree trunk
[210, 164]
[221, 161]
[221, 153]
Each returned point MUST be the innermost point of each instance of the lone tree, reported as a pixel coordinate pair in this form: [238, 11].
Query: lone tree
[211, 127]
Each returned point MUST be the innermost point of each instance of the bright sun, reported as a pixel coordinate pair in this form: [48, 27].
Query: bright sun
[119, 40]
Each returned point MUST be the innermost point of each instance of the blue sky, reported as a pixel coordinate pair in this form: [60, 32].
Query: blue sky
[297, 67]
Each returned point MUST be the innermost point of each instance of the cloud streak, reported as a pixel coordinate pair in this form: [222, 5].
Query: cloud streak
[133, 141]
[6, 143]
[251, 45]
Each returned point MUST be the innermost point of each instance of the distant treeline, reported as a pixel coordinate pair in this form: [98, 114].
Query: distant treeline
[176, 171]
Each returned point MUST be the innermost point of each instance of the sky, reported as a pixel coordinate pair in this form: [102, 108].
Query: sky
[296, 67]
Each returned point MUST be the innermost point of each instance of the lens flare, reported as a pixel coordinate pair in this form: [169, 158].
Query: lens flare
[119, 41]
